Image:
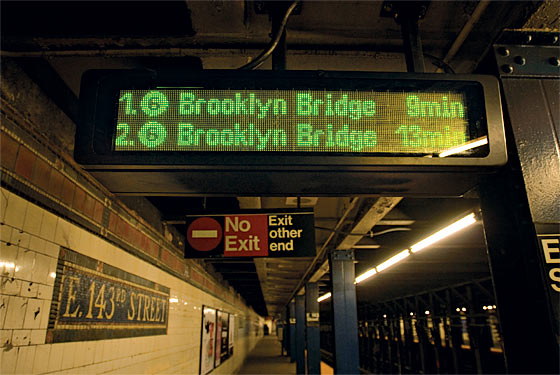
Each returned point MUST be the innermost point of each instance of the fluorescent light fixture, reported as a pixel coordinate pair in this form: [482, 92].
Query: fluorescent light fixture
[465, 146]
[365, 275]
[324, 297]
[8, 265]
[372, 246]
[393, 260]
[173, 300]
[445, 232]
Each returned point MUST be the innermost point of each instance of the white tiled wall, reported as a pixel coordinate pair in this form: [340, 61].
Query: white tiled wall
[30, 238]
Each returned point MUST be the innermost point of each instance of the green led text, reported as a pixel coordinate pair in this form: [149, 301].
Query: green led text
[307, 106]
[445, 109]
[292, 120]
[154, 103]
[190, 105]
[413, 136]
[355, 140]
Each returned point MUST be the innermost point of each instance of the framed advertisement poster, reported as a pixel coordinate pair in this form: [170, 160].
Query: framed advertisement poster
[231, 330]
[208, 340]
[224, 352]
[221, 338]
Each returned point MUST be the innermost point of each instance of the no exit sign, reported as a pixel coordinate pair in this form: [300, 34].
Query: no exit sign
[251, 234]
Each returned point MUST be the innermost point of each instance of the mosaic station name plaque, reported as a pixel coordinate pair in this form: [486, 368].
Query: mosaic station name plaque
[93, 300]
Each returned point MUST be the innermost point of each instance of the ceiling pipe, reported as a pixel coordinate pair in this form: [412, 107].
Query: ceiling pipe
[279, 53]
[248, 203]
[475, 16]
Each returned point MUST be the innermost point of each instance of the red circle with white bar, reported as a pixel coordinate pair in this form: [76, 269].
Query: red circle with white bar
[204, 234]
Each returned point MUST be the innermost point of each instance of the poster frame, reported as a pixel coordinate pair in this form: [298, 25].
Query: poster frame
[217, 339]
[204, 307]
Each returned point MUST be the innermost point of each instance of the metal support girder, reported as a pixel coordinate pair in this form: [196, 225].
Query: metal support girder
[518, 281]
[345, 316]
[300, 334]
[454, 341]
[313, 329]
[46, 77]
[381, 207]
[473, 330]
[518, 201]
[284, 322]
[293, 349]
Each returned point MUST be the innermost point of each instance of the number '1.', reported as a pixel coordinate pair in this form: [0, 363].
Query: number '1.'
[127, 98]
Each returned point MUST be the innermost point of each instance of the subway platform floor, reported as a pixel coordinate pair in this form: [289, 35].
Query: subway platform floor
[265, 359]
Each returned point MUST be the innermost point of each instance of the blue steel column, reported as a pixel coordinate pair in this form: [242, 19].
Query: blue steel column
[292, 331]
[284, 320]
[345, 315]
[300, 334]
[313, 334]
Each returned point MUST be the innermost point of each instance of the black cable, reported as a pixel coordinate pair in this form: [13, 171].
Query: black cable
[261, 58]
[441, 64]
[370, 234]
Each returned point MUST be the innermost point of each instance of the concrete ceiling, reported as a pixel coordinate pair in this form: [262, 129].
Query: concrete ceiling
[72, 37]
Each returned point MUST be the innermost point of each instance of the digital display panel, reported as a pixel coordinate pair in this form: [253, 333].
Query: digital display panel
[365, 122]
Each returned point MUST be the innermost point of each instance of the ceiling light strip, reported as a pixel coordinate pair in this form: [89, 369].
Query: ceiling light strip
[465, 146]
[393, 260]
[324, 297]
[445, 232]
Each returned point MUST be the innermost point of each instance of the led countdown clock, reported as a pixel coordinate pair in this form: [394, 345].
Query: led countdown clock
[256, 132]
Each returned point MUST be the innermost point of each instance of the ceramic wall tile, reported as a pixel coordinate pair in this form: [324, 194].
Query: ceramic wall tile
[51, 249]
[15, 212]
[55, 357]
[4, 302]
[4, 198]
[45, 314]
[26, 355]
[29, 289]
[8, 361]
[33, 219]
[37, 244]
[38, 336]
[41, 360]
[34, 313]
[5, 232]
[15, 313]
[69, 355]
[10, 286]
[41, 269]
[21, 337]
[44, 291]
[20, 238]
[5, 338]
[24, 264]
[48, 226]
